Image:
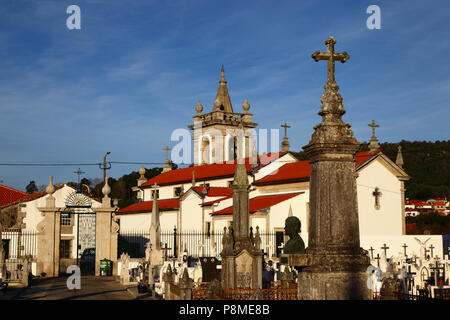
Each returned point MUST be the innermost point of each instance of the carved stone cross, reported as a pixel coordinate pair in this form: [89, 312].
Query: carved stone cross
[331, 57]
[373, 125]
[285, 126]
[377, 194]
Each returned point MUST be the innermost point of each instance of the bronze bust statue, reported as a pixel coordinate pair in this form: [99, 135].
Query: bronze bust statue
[295, 244]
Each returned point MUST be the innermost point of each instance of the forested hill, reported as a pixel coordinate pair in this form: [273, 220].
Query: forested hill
[427, 163]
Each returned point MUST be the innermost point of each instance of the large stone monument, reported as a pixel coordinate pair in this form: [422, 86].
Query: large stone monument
[336, 263]
[241, 259]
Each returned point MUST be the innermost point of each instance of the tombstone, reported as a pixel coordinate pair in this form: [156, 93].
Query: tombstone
[210, 272]
[389, 287]
[124, 271]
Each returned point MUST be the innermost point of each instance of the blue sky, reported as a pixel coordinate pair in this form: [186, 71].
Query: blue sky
[136, 69]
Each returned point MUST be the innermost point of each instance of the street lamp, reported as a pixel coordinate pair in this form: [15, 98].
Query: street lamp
[105, 166]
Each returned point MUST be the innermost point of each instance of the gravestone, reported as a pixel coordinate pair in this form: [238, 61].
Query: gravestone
[210, 272]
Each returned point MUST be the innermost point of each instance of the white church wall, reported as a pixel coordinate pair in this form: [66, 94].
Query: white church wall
[135, 222]
[388, 219]
[192, 212]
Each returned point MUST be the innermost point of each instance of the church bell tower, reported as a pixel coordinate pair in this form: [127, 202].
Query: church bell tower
[215, 133]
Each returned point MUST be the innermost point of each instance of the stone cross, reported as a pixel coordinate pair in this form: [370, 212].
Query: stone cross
[378, 259]
[285, 126]
[165, 249]
[377, 194]
[436, 269]
[384, 247]
[431, 249]
[281, 247]
[404, 248]
[167, 149]
[373, 125]
[371, 252]
[79, 173]
[331, 57]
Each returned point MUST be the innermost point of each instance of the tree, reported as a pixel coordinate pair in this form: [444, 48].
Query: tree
[31, 187]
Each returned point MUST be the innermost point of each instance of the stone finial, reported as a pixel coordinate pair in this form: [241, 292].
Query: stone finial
[257, 239]
[199, 108]
[142, 179]
[204, 190]
[246, 106]
[399, 160]
[106, 190]
[50, 188]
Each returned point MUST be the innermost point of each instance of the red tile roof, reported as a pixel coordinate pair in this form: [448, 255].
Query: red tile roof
[215, 201]
[147, 206]
[300, 170]
[260, 203]
[9, 195]
[32, 196]
[215, 191]
[203, 172]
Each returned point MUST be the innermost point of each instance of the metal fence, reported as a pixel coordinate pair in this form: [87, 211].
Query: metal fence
[19, 244]
[196, 243]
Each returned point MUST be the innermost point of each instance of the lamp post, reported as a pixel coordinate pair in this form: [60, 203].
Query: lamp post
[106, 166]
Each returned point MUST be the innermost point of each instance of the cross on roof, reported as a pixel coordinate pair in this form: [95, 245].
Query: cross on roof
[384, 247]
[285, 126]
[373, 125]
[331, 57]
[167, 152]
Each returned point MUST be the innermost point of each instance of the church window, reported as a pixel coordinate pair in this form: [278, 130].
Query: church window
[153, 194]
[230, 183]
[65, 248]
[66, 219]
[176, 191]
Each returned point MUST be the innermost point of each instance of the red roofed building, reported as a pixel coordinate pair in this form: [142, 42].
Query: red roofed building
[9, 195]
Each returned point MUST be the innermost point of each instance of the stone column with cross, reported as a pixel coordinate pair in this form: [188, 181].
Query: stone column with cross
[285, 142]
[373, 143]
[241, 261]
[377, 195]
[338, 264]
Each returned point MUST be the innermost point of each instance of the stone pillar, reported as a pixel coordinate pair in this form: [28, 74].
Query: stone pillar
[106, 232]
[241, 260]
[48, 236]
[185, 284]
[338, 264]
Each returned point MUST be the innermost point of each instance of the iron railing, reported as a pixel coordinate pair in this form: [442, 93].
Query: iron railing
[194, 242]
[19, 244]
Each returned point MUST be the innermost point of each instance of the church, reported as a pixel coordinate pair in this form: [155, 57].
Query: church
[199, 197]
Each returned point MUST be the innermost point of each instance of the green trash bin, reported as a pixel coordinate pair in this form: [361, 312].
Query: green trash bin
[105, 267]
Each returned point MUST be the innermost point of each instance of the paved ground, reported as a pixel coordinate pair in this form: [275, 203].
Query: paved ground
[92, 288]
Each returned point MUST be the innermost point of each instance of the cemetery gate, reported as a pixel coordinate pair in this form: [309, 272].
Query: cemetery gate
[78, 234]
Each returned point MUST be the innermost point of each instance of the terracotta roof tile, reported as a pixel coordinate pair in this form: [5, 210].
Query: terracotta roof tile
[260, 203]
[147, 206]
